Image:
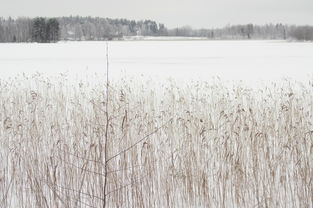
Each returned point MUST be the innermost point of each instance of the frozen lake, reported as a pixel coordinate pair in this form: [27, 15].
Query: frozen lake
[184, 60]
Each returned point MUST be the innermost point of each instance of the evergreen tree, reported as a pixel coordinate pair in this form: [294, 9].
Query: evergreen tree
[44, 31]
[39, 30]
[52, 30]
[249, 30]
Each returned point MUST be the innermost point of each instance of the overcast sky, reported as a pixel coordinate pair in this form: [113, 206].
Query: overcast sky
[196, 13]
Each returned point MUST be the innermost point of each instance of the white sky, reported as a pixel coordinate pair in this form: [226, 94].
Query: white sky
[196, 13]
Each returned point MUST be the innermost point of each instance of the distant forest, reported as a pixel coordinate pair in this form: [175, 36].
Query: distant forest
[78, 28]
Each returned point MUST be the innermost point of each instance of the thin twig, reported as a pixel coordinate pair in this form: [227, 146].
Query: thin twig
[73, 190]
[80, 157]
[106, 131]
[71, 198]
[97, 173]
[139, 141]
[127, 185]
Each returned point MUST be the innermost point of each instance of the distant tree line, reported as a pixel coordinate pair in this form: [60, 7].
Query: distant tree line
[18, 30]
[302, 32]
[89, 28]
[94, 28]
[39, 29]
[249, 31]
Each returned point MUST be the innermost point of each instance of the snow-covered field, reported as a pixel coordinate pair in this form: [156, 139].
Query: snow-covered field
[250, 61]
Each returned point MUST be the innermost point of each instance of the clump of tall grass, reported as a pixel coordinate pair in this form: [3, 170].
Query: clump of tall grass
[201, 145]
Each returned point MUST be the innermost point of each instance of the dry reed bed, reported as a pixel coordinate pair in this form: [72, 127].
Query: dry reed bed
[204, 145]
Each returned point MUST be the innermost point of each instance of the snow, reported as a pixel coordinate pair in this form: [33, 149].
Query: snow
[161, 38]
[250, 61]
